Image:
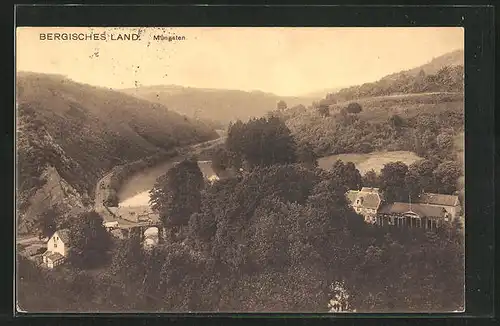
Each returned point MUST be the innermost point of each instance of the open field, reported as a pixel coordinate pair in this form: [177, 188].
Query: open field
[366, 162]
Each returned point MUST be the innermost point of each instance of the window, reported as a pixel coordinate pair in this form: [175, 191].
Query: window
[55, 243]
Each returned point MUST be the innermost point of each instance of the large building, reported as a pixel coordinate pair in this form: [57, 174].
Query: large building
[412, 215]
[428, 211]
[449, 202]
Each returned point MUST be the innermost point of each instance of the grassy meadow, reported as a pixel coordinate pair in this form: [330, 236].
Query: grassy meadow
[366, 162]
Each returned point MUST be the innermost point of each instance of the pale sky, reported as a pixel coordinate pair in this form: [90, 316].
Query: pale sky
[284, 61]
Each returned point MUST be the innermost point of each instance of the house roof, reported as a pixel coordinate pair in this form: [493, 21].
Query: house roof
[368, 189]
[420, 209]
[438, 199]
[54, 256]
[369, 200]
[369, 197]
[63, 235]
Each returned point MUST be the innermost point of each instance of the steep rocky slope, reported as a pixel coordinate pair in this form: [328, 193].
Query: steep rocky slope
[70, 134]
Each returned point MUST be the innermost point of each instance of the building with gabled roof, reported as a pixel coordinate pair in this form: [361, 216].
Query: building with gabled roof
[412, 215]
[428, 211]
[365, 202]
[58, 247]
[450, 203]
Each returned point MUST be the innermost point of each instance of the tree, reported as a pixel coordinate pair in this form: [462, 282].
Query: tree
[423, 170]
[446, 175]
[445, 143]
[90, 241]
[220, 160]
[396, 121]
[346, 119]
[46, 222]
[354, 108]
[306, 155]
[324, 110]
[371, 179]
[412, 184]
[126, 259]
[176, 194]
[393, 181]
[235, 160]
[262, 142]
[281, 106]
[428, 145]
[346, 174]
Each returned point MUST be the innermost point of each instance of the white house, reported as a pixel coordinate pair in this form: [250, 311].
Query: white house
[57, 248]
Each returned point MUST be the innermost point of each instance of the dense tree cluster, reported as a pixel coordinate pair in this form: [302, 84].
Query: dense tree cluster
[90, 242]
[401, 182]
[354, 107]
[429, 135]
[262, 142]
[281, 236]
[176, 194]
[424, 124]
[275, 239]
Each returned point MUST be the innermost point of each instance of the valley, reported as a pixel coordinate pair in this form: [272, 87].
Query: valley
[284, 226]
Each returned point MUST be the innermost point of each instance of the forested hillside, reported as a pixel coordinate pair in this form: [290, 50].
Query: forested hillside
[218, 105]
[451, 59]
[278, 236]
[82, 131]
[405, 112]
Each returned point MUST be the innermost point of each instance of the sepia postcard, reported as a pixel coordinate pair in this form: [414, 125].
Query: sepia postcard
[240, 169]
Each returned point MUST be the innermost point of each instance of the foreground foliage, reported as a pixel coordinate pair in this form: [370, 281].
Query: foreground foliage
[275, 239]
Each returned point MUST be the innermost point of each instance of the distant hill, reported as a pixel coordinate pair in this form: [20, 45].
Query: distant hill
[442, 74]
[321, 93]
[432, 92]
[451, 59]
[69, 134]
[215, 104]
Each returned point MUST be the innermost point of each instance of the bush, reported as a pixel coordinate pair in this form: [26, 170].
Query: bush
[354, 107]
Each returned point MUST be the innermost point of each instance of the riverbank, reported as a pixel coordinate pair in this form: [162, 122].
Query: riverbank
[137, 178]
[135, 190]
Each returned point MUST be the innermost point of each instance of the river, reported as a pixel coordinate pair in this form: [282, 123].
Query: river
[135, 190]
